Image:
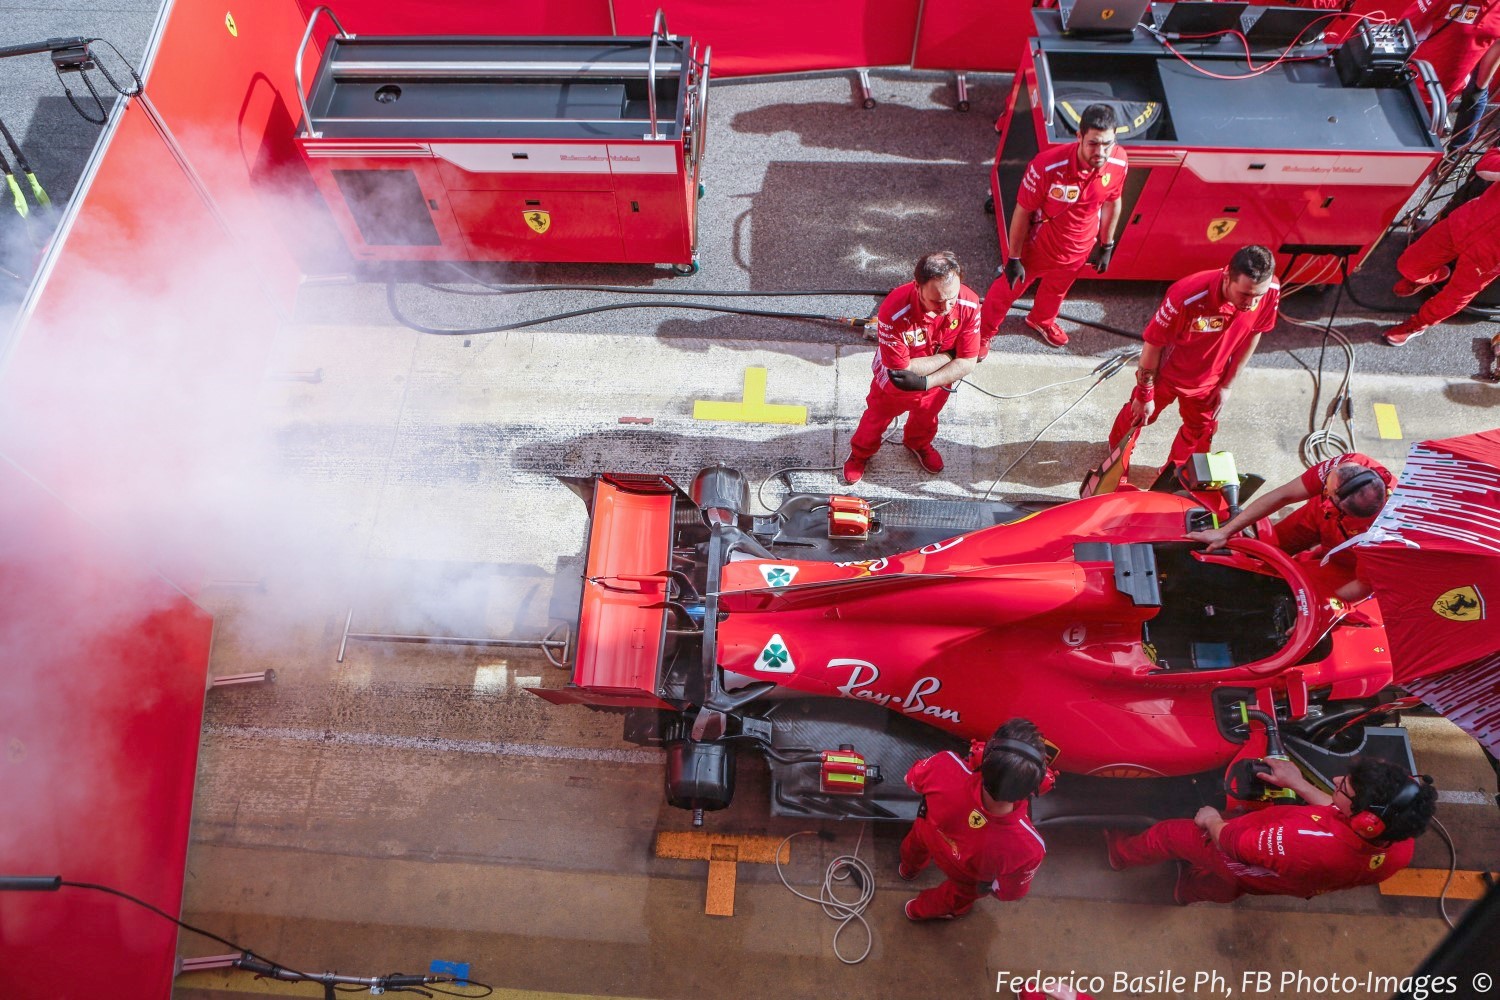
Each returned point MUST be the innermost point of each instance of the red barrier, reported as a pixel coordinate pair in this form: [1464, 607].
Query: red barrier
[103, 699]
[467, 17]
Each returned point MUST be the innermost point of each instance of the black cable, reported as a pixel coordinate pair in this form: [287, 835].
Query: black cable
[488, 990]
[1349, 284]
[627, 289]
[390, 299]
[136, 77]
[103, 114]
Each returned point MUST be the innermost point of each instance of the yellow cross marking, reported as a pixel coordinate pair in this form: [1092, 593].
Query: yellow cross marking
[753, 408]
[1386, 422]
[722, 851]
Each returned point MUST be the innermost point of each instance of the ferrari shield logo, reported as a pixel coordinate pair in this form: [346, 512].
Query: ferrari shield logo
[976, 819]
[1377, 861]
[778, 576]
[1461, 604]
[1104, 178]
[776, 658]
[234, 29]
[540, 222]
[1220, 228]
[1106, 13]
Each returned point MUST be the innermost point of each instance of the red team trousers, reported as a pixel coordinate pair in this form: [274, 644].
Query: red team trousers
[884, 405]
[1200, 419]
[1206, 879]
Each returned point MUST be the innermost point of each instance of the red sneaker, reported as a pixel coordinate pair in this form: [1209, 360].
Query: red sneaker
[913, 917]
[1405, 288]
[1051, 332]
[1397, 336]
[854, 470]
[928, 458]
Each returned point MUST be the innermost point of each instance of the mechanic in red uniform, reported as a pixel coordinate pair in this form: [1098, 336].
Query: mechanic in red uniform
[1360, 835]
[1343, 494]
[929, 338]
[975, 822]
[1066, 213]
[1201, 336]
[1464, 247]
[1456, 35]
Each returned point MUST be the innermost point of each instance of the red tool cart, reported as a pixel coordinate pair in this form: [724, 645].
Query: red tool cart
[509, 149]
[1290, 158]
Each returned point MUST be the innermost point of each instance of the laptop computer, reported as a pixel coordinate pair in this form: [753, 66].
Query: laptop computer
[1102, 17]
[1280, 27]
[1196, 18]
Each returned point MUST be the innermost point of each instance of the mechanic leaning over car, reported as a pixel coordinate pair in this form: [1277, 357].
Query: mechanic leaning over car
[1196, 343]
[975, 821]
[1360, 835]
[1066, 214]
[1343, 494]
[929, 337]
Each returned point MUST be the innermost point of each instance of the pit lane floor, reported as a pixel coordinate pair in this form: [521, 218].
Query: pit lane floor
[417, 803]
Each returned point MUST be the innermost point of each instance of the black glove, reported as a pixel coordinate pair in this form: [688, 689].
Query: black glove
[905, 378]
[1101, 255]
[1014, 272]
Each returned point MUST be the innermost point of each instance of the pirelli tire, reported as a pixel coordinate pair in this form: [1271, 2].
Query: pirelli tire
[700, 775]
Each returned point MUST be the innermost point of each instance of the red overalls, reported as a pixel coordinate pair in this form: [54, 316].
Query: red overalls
[1470, 238]
[1318, 522]
[1278, 851]
[1064, 198]
[907, 331]
[1200, 335]
[981, 853]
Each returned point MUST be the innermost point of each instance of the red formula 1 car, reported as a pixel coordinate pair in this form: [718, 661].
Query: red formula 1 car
[843, 643]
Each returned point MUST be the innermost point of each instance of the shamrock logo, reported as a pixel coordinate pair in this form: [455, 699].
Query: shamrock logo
[775, 658]
[778, 576]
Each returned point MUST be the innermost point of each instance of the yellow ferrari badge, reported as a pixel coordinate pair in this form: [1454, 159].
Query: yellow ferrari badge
[976, 819]
[1220, 228]
[1104, 178]
[1106, 13]
[1461, 604]
[234, 29]
[540, 222]
[1377, 861]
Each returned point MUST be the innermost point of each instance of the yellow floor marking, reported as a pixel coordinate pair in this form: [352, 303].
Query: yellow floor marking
[753, 409]
[722, 851]
[235, 981]
[1429, 882]
[1387, 423]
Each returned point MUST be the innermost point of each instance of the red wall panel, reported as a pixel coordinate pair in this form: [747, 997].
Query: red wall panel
[102, 697]
[468, 17]
[973, 34]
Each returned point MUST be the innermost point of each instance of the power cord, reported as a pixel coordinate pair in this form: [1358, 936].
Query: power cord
[1452, 870]
[844, 868]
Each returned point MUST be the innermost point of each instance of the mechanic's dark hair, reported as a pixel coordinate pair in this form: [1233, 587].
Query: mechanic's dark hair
[939, 264]
[1376, 782]
[1098, 117]
[1254, 262]
[1356, 497]
[1009, 774]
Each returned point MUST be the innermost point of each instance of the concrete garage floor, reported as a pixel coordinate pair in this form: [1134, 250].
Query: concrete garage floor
[414, 803]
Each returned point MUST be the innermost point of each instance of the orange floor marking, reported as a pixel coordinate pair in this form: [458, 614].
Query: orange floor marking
[1429, 882]
[722, 851]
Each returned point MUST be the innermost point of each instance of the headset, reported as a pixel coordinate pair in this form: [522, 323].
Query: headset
[1346, 488]
[1031, 753]
[1370, 824]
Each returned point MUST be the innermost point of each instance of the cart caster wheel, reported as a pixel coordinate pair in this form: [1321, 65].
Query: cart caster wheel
[868, 104]
[701, 189]
[989, 205]
[963, 105]
[685, 270]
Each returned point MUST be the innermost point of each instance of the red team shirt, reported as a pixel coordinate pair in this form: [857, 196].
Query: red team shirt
[1064, 199]
[1334, 527]
[1200, 333]
[1305, 851]
[1457, 36]
[966, 842]
[906, 330]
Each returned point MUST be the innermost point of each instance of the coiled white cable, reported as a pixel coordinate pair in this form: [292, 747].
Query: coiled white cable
[845, 867]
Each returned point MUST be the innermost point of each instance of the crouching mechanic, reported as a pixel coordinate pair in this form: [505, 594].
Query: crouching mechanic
[1196, 343]
[1360, 835]
[1344, 495]
[974, 822]
[1066, 213]
[1464, 248]
[929, 337]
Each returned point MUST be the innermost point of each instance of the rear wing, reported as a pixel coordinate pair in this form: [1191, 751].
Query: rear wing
[622, 617]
